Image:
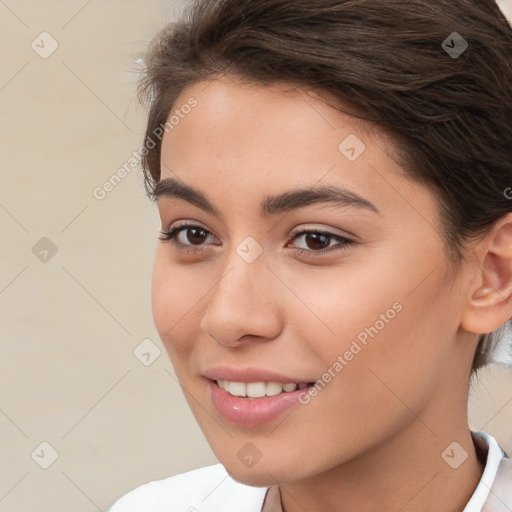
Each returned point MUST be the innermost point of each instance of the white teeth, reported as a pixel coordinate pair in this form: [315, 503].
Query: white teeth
[258, 389]
[273, 388]
[255, 389]
[237, 388]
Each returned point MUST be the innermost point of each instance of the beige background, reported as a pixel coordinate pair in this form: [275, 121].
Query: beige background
[71, 323]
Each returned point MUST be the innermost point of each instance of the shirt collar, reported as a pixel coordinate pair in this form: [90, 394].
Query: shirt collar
[488, 449]
[489, 453]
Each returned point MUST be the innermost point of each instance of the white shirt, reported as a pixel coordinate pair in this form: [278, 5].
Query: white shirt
[211, 489]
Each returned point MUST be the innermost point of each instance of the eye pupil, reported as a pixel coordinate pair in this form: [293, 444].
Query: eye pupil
[316, 237]
[196, 239]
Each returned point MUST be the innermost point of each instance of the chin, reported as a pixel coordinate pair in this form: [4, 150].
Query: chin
[254, 479]
[262, 474]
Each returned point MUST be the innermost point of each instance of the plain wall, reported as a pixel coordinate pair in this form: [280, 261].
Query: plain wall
[72, 320]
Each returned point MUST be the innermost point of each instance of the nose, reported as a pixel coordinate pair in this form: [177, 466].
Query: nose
[243, 305]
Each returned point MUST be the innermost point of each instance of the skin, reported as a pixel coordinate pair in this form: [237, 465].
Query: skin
[372, 438]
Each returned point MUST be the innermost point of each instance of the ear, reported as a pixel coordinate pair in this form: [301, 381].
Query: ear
[490, 303]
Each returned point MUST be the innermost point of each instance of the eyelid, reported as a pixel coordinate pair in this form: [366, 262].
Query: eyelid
[185, 222]
[178, 227]
[344, 243]
[322, 229]
[299, 229]
[188, 223]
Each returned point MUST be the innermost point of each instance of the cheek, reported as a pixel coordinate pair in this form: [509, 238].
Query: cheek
[394, 347]
[175, 299]
[378, 320]
[336, 306]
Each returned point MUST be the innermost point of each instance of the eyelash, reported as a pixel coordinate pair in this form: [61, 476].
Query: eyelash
[170, 236]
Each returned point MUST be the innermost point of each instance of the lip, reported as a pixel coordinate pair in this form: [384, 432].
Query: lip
[249, 412]
[250, 374]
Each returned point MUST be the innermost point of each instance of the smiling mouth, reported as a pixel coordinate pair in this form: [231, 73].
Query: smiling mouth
[260, 389]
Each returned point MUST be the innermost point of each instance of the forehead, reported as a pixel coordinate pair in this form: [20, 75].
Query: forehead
[257, 140]
[279, 114]
[270, 127]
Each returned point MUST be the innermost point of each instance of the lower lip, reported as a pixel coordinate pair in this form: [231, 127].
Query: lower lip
[250, 412]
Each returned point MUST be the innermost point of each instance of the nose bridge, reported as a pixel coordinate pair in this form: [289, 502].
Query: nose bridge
[240, 282]
[244, 273]
[242, 286]
[240, 302]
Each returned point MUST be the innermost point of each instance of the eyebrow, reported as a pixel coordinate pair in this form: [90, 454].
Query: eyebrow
[270, 205]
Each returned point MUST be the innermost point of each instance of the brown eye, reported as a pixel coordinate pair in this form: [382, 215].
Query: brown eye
[193, 235]
[198, 234]
[319, 242]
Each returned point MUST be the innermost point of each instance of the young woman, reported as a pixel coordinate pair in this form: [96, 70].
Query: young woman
[334, 181]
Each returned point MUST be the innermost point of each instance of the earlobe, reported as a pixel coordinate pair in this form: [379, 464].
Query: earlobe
[490, 303]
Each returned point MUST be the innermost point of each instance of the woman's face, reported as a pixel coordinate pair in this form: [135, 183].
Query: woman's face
[375, 318]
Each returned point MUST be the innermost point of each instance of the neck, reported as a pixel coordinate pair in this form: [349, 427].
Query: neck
[405, 473]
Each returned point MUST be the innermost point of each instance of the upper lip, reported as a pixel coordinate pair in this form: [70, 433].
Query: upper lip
[249, 375]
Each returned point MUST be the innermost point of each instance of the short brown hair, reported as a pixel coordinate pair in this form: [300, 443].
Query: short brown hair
[450, 117]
